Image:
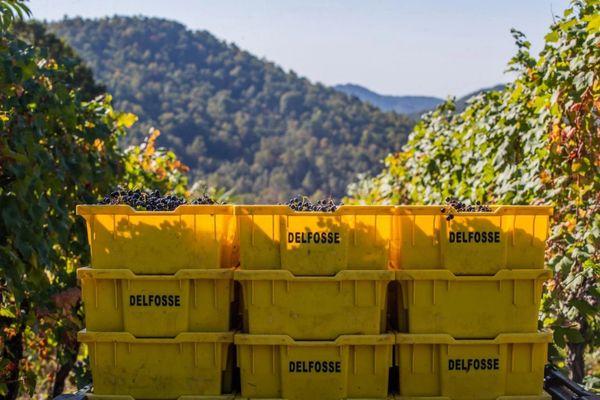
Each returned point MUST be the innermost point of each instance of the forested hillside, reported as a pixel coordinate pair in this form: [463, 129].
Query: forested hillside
[535, 141]
[237, 121]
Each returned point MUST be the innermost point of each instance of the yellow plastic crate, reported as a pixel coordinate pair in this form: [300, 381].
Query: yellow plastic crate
[278, 367]
[543, 396]
[315, 243]
[191, 364]
[314, 307]
[92, 396]
[438, 301]
[161, 242]
[475, 243]
[433, 365]
[118, 300]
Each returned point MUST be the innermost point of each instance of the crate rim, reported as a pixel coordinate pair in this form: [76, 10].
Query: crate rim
[125, 337]
[497, 210]
[447, 275]
[442, 338]
[269, 209]
[87, 210]
[93, 396]
[286, 275]
[286, 340]
[127, 274]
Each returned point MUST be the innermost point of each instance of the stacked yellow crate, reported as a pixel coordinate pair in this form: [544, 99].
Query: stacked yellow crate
[314, 288]
[470, 290]
[157, 301]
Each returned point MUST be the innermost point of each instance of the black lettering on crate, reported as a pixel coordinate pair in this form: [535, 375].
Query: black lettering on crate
[314, 237]
[474, 237]
[155, 300]
[315, 366]
[473, 364]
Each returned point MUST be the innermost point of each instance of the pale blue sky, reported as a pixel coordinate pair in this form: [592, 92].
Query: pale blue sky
[428, 47]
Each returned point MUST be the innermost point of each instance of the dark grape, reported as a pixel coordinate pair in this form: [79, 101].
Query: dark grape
[303, 203]
[461, 206]
[151, 200]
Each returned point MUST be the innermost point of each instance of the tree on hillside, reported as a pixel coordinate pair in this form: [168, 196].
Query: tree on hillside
[535, 141]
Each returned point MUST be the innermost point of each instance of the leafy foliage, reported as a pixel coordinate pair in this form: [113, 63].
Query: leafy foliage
[160, 168]
[536, 141]
[237, 121]
[11, 10]
[50, 46]
[58, 148]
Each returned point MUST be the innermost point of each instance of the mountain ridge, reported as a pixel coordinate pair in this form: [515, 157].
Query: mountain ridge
[411, 104]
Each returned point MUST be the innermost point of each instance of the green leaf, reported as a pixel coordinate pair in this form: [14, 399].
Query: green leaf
[593, 23]
[552, 37]
[5, 312]
[574, 336]
[559, 337]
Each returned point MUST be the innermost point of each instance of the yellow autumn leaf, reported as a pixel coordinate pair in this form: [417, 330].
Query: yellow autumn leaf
[593, 25]
[127, 119]
[99, 144]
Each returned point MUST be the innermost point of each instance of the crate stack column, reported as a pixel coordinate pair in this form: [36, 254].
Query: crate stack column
[314, 288]
[470, 287]
[157, 300]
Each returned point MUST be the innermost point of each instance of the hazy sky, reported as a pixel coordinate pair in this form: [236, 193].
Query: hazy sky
[439, 48]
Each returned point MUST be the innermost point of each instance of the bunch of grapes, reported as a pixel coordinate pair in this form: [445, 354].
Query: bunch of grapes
[205, 199]
[150, 200]
[461, 206]
[303, 203]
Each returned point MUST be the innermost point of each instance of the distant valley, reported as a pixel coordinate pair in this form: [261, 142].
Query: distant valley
[400, 104]
[412, 106]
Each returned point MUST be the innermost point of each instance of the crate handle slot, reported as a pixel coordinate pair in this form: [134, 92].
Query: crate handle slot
[412, 230]
[252, 230]
[354, 232]
[116, 291]
[216, 293]
[95, 292]
[195, 285]
[355, 369]
[115, 353]
[533, 230]
[272, 293]
[436, 232]
[214, 218]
